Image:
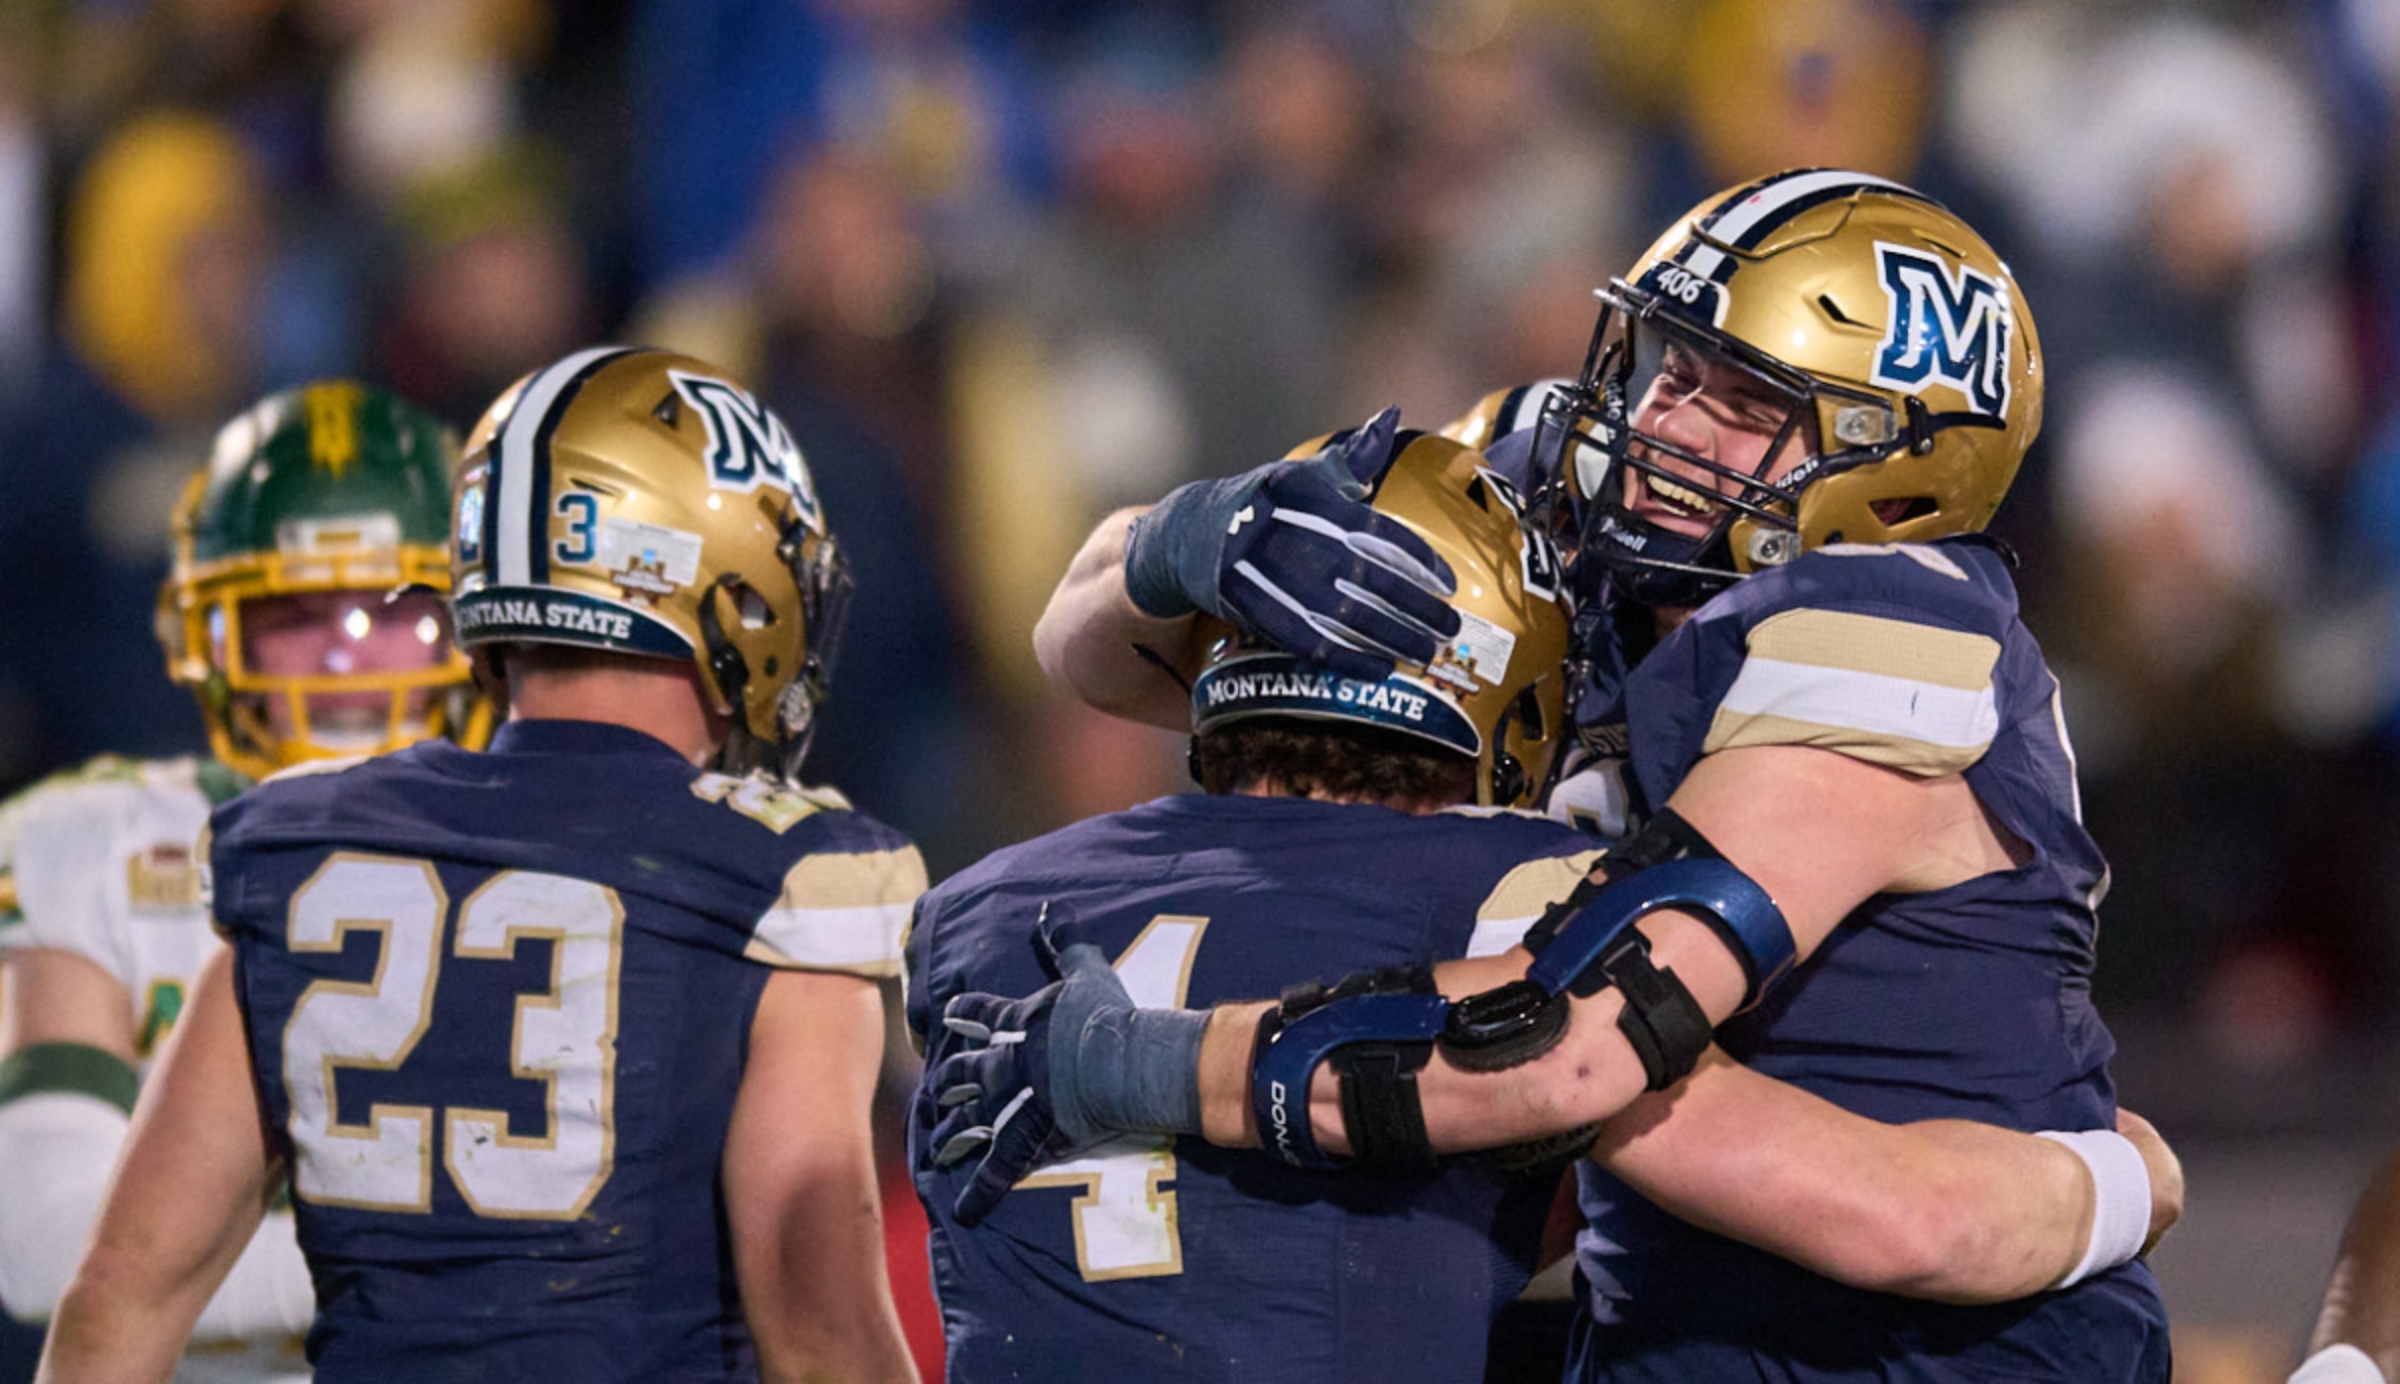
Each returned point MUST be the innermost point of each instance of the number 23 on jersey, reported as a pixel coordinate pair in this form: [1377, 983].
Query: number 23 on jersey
[564, 1038]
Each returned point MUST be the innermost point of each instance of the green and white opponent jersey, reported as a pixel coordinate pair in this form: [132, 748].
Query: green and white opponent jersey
[102, 861]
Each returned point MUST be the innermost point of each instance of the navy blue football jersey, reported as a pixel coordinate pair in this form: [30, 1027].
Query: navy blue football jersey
[1972, 1002]
[498, 1004]
[1153, 1259]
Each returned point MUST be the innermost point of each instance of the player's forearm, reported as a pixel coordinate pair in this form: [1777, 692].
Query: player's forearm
[1591, 1074]
[2362, 1302]
[133, 1302]
[1087, 636]
[1943, 1209]
[267, 1294]
[801, 1194]
[824, 1309]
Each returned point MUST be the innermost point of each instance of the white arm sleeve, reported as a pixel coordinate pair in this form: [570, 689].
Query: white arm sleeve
[58, 1148]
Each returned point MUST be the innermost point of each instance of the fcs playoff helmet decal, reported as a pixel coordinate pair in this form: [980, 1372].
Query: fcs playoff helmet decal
[637, 501]
[323, 505]
[1495, 692]
[1871, 331]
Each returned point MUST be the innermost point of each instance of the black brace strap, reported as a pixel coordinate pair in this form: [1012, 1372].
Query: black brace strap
[1665, 1026]
[1381, 1111]
[1664, 837]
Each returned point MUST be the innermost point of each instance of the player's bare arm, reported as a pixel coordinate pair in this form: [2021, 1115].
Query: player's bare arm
[2357, 1337]
[800, 1184]
[1090, 633]
[195, 1180]
[1818, 832]
[1948, 1210]
[1289, 551]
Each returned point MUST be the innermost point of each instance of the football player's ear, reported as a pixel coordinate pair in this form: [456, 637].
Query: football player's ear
[491, 678]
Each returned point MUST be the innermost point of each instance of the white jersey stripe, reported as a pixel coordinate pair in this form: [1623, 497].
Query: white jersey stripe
[1729, 228]
[866, 937]
[515, 453]
[1873, 703]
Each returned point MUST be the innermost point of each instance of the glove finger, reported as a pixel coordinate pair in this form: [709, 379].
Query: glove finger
[1368, 449]
[1368, 619]
[976, 1016]
[1376, 537]
[1080, 958]
[1299, 636]
[1268, 603]
[967, 1028]
[985, 1069]
[1057, 921]
[960, 1145]
[1286, 627]
[973, 1123]
[1021, 1142]
[1405, 555]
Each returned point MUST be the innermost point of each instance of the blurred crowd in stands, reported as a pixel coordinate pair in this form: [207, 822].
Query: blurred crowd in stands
[1007, 264]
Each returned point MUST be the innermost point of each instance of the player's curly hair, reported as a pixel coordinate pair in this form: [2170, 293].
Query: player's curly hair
[1331, 760]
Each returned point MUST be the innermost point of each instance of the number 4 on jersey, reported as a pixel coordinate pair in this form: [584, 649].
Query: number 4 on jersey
[1125, 1223]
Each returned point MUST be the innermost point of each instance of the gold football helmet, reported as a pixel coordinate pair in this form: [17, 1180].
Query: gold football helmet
[638, 501]
[1495, 692]
[1877, 343]
[303, 605]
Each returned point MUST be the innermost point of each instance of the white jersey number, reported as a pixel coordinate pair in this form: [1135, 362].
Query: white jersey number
[565, 1038]
[1126, 1224]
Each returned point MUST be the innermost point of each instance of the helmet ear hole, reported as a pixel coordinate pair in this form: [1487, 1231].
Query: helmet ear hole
[752, 608]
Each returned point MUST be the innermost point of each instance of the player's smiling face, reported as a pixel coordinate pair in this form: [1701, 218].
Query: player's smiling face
[1718, 413]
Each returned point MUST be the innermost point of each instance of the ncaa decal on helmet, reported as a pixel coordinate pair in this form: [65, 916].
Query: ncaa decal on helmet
[1876, 342]
[1495, 692]
[637, 501]
[303, 607]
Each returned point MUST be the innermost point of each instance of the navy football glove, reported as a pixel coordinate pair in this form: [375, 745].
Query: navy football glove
[1292, 553]
[1058, 1072]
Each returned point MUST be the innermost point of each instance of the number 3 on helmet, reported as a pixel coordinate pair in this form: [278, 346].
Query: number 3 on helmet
[637, 501]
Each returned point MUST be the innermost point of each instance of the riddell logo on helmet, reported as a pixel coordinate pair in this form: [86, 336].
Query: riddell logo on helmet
[1945, 327]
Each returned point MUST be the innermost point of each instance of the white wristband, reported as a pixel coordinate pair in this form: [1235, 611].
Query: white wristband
[2120, 1198]
[2343, 1364]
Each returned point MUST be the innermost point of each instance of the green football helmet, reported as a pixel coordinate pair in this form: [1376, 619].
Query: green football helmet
[306, 606]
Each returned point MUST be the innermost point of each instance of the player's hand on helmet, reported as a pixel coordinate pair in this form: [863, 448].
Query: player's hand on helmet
[1293, 553]
[1042, 1078]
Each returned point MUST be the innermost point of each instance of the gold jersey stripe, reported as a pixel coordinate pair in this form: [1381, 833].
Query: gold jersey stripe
[842, 912]
[1520, 897]
[1920, 757]
[869, 879]
[1873, 644]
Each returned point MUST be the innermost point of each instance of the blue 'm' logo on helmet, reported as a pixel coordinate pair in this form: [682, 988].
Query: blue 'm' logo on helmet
[1944, 328]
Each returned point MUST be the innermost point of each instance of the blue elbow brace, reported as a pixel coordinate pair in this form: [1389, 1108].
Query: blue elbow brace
[1379, 1031]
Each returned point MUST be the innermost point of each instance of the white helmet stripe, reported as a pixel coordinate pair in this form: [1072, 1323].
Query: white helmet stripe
[1735, 221]
[517, 522]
